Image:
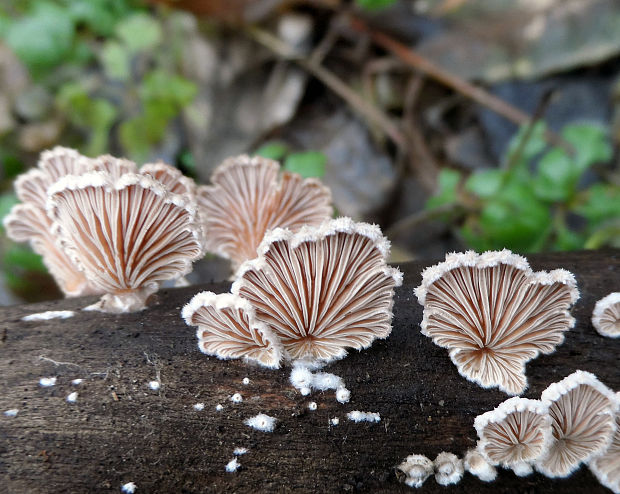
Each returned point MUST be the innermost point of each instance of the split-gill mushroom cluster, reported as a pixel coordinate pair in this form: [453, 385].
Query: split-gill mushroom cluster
[574, 422]
[313, 294]
[308, 288]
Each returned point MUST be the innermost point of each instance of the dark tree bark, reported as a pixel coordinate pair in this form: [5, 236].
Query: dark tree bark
[119, 430]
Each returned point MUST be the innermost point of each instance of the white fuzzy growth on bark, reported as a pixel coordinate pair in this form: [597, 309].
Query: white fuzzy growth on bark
[50, 314]
[261, 422]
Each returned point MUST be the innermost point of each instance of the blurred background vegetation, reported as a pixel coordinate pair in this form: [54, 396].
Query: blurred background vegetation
[392, 127]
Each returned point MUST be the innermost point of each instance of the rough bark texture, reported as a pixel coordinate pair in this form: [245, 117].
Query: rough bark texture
[120, 430]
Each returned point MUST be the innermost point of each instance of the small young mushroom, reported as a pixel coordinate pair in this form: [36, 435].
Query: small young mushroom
[582, 422]
[448, 468]
[323, 289]
[417, 468]
[606, 316]
[227, 329]
[606, 466]
[493, 314]
[514, 434]
[247, 199]
[127, 234]
[477, 465]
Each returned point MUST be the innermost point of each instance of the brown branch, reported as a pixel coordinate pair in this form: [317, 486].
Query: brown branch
[479, 95]
[334, 83]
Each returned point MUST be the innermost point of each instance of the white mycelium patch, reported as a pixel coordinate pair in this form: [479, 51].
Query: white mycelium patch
[199, 406]
[312, 406]
[240, 451]
[232, 466]
[357, 416]
[129, 488]
[246, 381]
[12, 412]
[236, 398]
[261, 422]
[46, 382]
[219, 408]
[77, 382]
[72, 397]
[50, 314]
[343, 395]
[154, 385]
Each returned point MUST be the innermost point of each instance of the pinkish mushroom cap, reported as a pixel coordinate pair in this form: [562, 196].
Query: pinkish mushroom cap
[514, 434]
[227, 329]
[247, 199]
[494, 314]
[606, 466]
[606, 316]
[323, 289]
[126, 234]
[582, 422]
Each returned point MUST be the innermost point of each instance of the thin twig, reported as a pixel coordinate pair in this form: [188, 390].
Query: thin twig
[479, 95]
[339, 87]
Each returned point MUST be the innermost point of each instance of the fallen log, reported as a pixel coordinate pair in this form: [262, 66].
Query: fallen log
[120, 430]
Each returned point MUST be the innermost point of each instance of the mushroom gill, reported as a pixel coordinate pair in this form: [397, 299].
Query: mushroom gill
[582, 422]
[493, 314]
[322, 290]
[606, 315]
[126, 234]
[227, 329]
[514, 434]
[246, 199]
[606, 466]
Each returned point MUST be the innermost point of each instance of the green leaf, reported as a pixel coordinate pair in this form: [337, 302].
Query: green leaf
[374, 4]
[115, 60]
[447, 184]
[534, 145]
[159, 85]
[7, 201]
[100, 16]
[601, 203]
[43, 38]
[515, 220]
[139, 32]
[272, 150]
[591, 143]
[568, 240]
[557, 176]
[139, 134]
[307, 164]
[22, 257]
[484, 183]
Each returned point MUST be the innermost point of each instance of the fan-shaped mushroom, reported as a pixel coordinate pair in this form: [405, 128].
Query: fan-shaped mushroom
[227, 329]
[127, 234]
[494, 314]
[246, 200]
[323, 289]
[514, 434]
[582, 422]
[606, 466]
[28, 221]
[606, 315]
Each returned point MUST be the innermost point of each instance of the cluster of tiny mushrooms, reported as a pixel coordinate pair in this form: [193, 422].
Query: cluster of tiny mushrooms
[308, 287]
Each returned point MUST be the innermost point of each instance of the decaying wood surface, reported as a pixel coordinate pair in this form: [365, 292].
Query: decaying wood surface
[119, 430]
